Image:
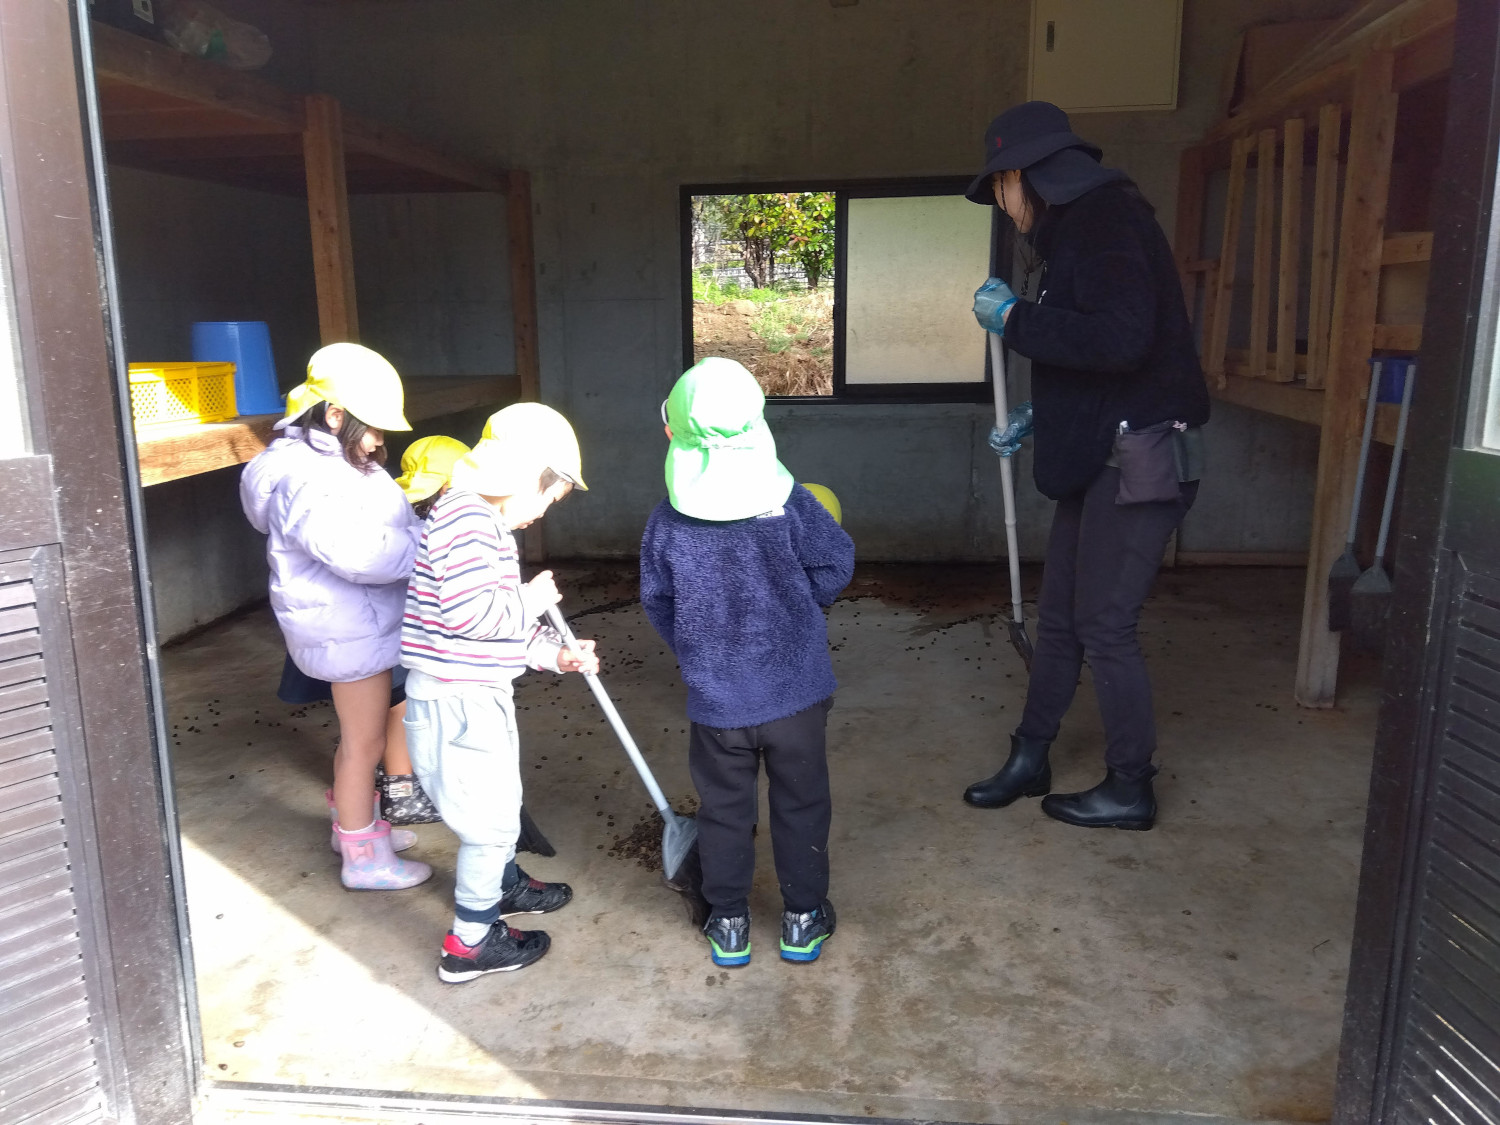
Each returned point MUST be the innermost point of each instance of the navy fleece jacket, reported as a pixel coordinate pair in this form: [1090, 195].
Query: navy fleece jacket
[739, 604]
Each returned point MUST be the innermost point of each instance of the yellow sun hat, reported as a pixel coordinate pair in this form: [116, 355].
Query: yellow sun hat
[517, 445]
[823, 496]
[353, 377]
[427, 465]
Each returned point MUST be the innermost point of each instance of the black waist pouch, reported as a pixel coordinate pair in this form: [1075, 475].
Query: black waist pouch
[1148, 464]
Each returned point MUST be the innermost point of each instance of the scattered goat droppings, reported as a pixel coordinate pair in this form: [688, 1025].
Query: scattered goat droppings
[599, 847]
[223, 1066]
[1187, 911]
[231, 777]
[239, 1042]
[305, 874]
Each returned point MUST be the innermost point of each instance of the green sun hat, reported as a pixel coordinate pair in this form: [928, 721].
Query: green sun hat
[722, 462]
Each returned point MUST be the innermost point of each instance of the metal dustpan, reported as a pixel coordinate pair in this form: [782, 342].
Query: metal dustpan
[679, 834]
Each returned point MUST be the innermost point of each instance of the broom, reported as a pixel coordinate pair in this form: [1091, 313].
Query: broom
[1345, 569]
[1017, 623]
[1370, 597]
[681, 868]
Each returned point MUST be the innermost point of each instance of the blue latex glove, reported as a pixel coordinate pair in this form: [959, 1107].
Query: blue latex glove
[992, 301]
[1007, 442]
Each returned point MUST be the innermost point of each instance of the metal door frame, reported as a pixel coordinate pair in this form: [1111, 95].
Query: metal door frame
[124, 838]
[1464, 263]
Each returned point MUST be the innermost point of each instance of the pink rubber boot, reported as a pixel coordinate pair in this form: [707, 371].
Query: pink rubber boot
[401, 839]
[370, 864]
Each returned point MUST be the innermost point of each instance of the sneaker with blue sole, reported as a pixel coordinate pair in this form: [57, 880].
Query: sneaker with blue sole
[729, 940]
[803, 935]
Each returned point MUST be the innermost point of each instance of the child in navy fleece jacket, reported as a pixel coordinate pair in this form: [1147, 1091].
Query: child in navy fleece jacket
[736, 567]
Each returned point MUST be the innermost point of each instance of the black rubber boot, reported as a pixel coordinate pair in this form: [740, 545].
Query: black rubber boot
[1026, 773]
[1116, 802]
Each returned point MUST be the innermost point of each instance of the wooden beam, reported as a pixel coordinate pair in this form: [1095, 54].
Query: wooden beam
[1187, 241]
[1297, 404]
[129, 59]
[523, 285]
[1398, 337]
[1414, 246]
[1223, 294]
[1289, 273]
[377, 140]
[1325, 224]
[1260, 272]
[1356, 295]
[328, 211]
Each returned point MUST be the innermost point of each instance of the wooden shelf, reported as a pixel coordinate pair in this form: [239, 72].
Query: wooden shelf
[1294, 401]
[172, 452]
[164, 111]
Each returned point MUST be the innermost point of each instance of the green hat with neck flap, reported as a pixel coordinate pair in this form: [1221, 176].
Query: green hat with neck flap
[722, 462]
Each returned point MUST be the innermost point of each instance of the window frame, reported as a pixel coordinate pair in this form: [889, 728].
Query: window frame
[977, 392]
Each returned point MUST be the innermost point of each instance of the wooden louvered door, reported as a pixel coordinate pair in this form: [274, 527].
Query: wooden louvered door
[49, 1066]
[1421, 1039]
[1447, 1059]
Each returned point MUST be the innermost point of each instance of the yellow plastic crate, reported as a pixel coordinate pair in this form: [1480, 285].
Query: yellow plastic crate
[181, 392]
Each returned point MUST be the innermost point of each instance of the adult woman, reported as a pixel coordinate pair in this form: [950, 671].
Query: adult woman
[1118, 397]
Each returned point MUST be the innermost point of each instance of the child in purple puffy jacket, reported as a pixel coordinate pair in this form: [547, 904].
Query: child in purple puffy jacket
[341, 540]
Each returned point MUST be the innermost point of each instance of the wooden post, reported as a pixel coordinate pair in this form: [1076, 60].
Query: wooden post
[1187, 240]
[1223, 292]
[1260, 288]
[1325, 222]
[328, 210]
[1372, 126]
[1291, 250]
[523, 284]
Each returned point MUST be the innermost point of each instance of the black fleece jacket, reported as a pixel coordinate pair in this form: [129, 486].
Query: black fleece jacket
[1108, 337]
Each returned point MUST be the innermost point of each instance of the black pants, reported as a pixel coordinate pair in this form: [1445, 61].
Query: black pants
[725, 765]
[1102, 558]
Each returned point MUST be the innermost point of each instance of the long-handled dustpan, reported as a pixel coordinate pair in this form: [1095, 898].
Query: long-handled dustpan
[1345, 569]
[1369, 599]
[679, 834]
[1017, 623]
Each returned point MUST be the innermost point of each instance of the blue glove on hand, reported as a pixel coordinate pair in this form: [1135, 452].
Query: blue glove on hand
[992, 301]
[1007, 442]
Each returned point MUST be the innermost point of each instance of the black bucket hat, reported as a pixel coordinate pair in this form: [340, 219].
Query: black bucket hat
[1020, 137]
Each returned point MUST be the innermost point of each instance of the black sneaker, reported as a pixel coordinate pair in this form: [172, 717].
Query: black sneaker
[803, 935]
[729, 940]
[532, 896]
[402, 800]
[502, 950]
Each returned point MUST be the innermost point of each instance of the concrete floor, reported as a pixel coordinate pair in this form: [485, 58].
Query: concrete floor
[990, 966]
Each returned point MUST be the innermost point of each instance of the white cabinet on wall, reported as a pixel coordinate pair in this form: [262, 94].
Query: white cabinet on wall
[1100, 55]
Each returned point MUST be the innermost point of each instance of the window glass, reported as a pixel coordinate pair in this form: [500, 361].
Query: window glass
[15, 438]
[912, 264]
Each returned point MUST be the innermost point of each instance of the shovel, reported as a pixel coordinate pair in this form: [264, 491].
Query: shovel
[1017, 623]
[1370, 597]
[679, 834]
[1345, 569]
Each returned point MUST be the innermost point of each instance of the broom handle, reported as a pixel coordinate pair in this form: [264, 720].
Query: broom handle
[1007, 477]
[658, 798]
[1390, 487]
[1364, 447]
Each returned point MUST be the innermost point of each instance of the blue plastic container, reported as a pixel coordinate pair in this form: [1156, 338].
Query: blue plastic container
[1393, 372]
[247, 345]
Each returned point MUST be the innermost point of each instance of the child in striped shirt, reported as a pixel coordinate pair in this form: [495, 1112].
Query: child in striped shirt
[471, 627]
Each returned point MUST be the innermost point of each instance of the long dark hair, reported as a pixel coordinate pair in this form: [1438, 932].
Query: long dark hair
[350, 433]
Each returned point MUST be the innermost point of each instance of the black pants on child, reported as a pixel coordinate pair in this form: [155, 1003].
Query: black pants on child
[1102, 558]
[725, 765]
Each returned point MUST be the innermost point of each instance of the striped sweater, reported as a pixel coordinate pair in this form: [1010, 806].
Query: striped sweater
[467, 615]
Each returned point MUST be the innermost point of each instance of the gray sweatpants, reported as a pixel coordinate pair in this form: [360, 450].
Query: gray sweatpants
[464, 749]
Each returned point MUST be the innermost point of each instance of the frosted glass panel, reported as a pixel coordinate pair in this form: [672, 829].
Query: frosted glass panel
[913, 263]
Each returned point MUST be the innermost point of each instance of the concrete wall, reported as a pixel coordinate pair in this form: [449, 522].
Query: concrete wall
[613, 107]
